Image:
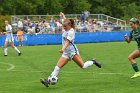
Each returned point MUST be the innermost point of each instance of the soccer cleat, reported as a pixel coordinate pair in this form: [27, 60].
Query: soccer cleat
[19, 54]
[137, 74]
[45, 82]
[96, 63]
[5, 55]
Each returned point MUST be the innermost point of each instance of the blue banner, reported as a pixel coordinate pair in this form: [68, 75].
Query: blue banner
[84, 37]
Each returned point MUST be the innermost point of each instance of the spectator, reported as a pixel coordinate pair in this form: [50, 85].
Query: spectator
[20, 24]
[52, 24]
[86, 14]
[30, 30]
[58, 26]
[19, 36]
[82, 18]
[25, 26]
[42, 26]
[37, 29]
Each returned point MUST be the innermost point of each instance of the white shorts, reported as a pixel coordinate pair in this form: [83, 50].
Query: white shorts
[69, 55]
[9, 40]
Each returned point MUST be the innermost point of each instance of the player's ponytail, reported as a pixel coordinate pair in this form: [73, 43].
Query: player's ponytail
[138, 22]
[72, 23]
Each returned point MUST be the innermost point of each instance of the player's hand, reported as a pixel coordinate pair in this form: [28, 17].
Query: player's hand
[61, 13]
[61, 51]
[126, 36]
[4, 32]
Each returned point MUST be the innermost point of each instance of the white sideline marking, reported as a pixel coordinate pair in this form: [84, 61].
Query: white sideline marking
[10, 68]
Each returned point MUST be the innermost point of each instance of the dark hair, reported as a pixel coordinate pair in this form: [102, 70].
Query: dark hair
[72, 23]
[137, 22]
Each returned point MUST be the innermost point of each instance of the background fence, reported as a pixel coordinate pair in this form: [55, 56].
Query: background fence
[101, 17]
[87, 37]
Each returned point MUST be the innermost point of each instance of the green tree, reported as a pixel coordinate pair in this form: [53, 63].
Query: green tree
[117, 8]
[26, 7]
[52, 7]
[131, 10]
[6, 7]
[75, 6]
[109, 7]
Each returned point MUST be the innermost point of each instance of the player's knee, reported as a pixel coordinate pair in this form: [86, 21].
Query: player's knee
[130, 58]
[13, 46]
[5, 46]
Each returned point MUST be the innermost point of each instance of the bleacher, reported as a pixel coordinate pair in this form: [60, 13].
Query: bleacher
[43, 24]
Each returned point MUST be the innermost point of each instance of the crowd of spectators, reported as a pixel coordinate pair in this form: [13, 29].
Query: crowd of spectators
[85, 24]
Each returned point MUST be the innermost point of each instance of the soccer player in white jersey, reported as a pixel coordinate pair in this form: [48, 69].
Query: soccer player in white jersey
[9, 39]
[69, 51]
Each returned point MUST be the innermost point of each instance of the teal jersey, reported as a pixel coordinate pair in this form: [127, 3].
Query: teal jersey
[136, 35]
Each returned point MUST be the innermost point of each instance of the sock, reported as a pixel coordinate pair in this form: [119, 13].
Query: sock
[5, 51]
[87, 64]
[16, 49]
[55, 71]
[135, 67]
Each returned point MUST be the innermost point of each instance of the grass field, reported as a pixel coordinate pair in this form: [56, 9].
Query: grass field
[22, 74]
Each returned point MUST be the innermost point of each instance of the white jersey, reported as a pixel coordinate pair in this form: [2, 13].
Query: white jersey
[71, 50]
[9, 35]
[20, 24]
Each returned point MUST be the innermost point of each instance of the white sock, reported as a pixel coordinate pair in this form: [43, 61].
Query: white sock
[55, 71]
[5, 51]
[87, 64]
[16, 49]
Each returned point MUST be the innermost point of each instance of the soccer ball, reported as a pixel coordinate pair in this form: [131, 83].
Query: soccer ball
[53, 80]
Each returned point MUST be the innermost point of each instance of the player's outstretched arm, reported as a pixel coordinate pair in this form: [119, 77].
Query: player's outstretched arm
[63, 15]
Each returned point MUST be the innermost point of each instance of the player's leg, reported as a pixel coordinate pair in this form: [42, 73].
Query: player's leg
[20, 40]
[5, 48]
[78, 60]
[14, 47]
[61, 62]
[131, 57]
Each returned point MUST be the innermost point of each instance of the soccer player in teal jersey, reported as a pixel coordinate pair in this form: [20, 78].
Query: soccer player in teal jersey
[134, 34]
[69, 51]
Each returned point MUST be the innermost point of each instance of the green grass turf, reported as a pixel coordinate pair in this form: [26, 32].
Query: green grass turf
[38, 61]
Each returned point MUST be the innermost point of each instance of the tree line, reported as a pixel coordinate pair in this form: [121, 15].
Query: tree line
[123, 9]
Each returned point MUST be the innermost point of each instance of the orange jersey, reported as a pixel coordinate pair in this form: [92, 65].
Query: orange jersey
[20, 33]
